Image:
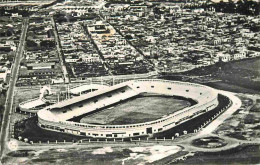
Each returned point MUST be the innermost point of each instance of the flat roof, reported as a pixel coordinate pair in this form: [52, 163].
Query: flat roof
[41, 64]
[87, 96]
[82, 88]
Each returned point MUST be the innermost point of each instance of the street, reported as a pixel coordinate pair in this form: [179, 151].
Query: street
[9, 98]
[60, 53]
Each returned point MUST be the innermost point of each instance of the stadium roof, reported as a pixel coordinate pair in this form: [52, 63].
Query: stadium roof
[83, 88]
[86, 96]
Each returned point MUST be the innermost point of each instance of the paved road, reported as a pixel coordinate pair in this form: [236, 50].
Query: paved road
[9, 99]
[236, 104]
[98, 50]
[60, 53]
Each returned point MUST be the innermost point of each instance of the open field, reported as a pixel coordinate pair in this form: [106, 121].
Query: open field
[247, 154]
[27, 93]
[245, 123]
[98, 155]
[22, 95]
[236, 76]
[250, 64]
[137, 110]
[231, 87]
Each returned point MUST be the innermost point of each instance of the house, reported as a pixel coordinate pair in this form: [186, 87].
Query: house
[38, 66]
[224, 57]
[3, 75]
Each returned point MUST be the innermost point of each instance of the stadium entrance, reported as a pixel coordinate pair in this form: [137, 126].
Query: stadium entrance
[149, 130]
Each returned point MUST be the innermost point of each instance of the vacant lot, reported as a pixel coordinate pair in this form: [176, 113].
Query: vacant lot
[240, 156]
[129, 154]
[245, 123]
[236, 76]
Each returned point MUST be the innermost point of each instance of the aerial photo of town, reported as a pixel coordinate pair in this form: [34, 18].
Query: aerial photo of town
[129, 82]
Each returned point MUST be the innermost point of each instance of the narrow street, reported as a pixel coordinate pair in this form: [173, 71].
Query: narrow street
[60, 52]
[96, 47]
[130, 43]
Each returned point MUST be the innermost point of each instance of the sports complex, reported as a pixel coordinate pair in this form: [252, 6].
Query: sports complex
[59, 116]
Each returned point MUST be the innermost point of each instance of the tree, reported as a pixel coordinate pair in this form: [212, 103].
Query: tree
[230, 7]
[30, 43]
[239, 6]
[47, 44]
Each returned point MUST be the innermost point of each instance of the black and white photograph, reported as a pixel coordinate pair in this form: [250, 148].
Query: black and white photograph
[129, 82]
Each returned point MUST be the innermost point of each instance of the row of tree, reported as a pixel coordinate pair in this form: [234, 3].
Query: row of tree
[245, 7]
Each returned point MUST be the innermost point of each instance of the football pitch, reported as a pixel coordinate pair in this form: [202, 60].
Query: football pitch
[137, 110]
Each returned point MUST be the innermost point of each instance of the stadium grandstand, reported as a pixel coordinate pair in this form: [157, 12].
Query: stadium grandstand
[57, 117]
[83, 89]
[42, 101]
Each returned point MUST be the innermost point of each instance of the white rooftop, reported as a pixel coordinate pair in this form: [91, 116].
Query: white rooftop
[83, 88]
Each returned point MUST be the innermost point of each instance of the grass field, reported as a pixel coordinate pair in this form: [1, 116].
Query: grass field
[237, 76]
[250, 64]
[130, 154]
[237, 156]
[137, 110]
[231, 87]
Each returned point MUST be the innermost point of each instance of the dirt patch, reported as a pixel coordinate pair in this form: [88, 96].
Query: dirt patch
[247, 154]
[244, 123]
[116, 155]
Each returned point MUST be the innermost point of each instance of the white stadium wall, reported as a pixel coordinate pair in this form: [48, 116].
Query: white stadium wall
[206, 98]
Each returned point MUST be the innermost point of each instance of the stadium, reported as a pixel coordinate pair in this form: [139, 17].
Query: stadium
[46, 97]
[57, 117]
